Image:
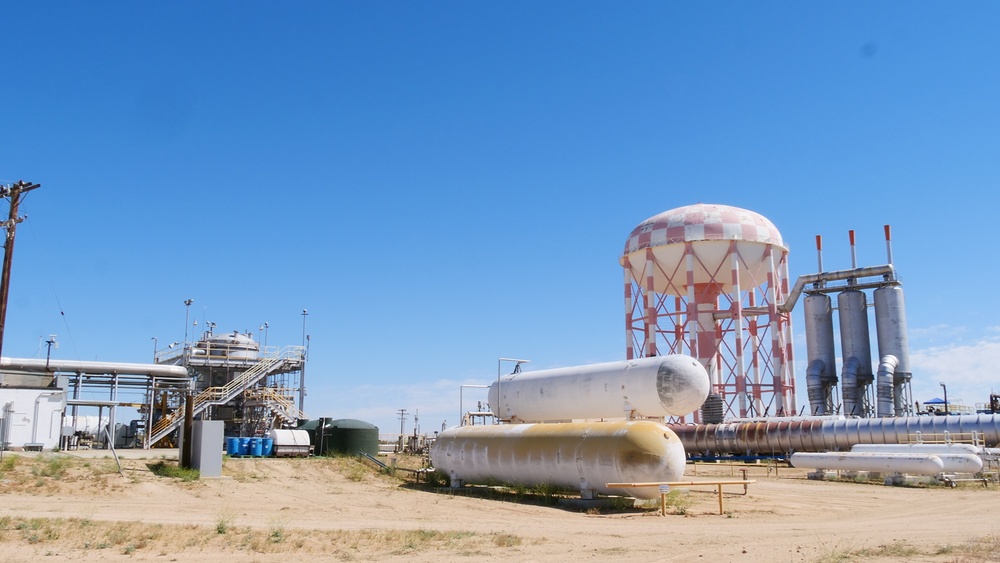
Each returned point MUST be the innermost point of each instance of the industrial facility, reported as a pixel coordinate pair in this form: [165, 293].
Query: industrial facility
[708, 318]
[708, 372]
[250, 387]
[228, 378]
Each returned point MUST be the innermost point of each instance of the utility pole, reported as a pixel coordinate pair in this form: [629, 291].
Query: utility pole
[402, 421]
[402, 431]
[305, 354]
[15, 193]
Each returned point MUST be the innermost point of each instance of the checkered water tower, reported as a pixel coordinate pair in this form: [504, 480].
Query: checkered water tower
[707, 280]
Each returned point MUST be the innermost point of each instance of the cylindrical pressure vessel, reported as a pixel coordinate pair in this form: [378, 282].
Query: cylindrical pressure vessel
[659, 386]
[890, 327]
[919, 464]
[821, 374]
[918, 448]
[580, 456]
[856, 350]
[957, 458]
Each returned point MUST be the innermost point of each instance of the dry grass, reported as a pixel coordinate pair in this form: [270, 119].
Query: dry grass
[73, 538]
[54, 473]
[75, 535]
[978, 550]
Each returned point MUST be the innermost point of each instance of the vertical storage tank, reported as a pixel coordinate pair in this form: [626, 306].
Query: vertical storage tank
[342, 436]
[893, 351]
[856, 376]
[821, 371]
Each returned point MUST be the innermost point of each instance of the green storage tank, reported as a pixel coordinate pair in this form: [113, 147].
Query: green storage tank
[342, 436]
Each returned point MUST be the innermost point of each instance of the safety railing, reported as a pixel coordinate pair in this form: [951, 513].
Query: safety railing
[227, 392]
[274, 399]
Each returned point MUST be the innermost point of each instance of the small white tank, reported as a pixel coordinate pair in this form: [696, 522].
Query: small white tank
[917, 464]
[290, 443]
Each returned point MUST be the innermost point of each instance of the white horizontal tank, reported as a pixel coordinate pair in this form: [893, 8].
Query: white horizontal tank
[660, 386]
[895, 462]
[579, 456]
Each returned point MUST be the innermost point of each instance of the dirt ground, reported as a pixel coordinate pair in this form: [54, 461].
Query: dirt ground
[73, 507]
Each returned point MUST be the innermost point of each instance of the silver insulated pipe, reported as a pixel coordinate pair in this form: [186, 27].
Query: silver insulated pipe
[832, 434]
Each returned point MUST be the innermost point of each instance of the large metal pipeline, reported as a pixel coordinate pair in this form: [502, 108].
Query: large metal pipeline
[94, 368]
[773, 437]
[887, 271]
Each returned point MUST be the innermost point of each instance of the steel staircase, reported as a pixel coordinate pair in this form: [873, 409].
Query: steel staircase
[222, 395]
[280, 404]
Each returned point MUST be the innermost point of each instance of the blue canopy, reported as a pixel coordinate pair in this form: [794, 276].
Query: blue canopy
[934, 401]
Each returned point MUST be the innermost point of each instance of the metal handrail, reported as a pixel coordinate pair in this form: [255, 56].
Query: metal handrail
[276, 402]
[218, 395]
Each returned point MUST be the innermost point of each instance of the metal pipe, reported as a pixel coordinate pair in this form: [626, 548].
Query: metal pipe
[814, 387]
[850, 389]
[888, 245]
[8, 410]
[854, 252]
[819, 252]
[884, 392]
[821, 435]
[94, 368]
[887, 270]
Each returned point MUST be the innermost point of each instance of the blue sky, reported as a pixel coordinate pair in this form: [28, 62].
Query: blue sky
[444, 183]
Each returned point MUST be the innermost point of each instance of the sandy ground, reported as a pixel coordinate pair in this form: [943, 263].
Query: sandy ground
[339, 510]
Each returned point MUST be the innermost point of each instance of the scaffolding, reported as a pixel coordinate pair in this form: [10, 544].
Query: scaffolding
[249, 387]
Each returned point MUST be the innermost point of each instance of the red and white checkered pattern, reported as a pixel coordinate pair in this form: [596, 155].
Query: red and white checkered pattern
[700, 222]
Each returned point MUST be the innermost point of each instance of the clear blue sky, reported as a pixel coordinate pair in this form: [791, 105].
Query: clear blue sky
[444, 183]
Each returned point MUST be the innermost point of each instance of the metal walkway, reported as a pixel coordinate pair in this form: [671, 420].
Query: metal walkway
[279, 404]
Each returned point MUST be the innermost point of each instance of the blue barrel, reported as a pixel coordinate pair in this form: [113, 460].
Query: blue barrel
[266, 446]
[233, 446]
[256, 448]
[244, 446]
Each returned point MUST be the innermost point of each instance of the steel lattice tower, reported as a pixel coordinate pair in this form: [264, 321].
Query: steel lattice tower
[707, 281]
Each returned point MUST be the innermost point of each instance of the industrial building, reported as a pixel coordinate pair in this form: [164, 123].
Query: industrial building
[230, 378]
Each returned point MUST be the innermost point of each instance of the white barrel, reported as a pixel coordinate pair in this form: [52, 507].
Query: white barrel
[660, 386]
[580, 456]
[919, 464]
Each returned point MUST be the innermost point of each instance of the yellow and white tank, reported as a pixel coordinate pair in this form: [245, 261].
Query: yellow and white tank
[580, 456]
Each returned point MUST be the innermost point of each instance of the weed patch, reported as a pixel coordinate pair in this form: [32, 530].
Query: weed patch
[174, 471]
